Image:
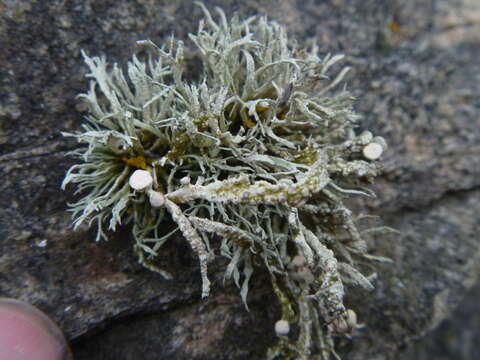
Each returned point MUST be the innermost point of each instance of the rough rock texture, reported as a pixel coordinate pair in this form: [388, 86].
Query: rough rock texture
[416, 77]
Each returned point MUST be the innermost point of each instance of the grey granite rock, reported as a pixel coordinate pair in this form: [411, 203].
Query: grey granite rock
[416, 77]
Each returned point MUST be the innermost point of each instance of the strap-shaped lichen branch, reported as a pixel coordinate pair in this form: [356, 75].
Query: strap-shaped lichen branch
[239, 190]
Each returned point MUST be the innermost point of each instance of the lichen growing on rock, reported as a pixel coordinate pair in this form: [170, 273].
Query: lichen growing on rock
[260, 154]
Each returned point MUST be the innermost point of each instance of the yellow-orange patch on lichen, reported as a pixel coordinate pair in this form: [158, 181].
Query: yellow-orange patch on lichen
[394, 27]
[260, 109]
[139, 162]
[250, 123]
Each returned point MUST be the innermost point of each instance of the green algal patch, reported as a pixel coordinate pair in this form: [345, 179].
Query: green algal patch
[259, 156]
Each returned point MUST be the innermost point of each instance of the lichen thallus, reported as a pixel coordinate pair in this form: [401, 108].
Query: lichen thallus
[260, 155]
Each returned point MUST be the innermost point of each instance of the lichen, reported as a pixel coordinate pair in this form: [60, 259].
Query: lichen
[261, 153]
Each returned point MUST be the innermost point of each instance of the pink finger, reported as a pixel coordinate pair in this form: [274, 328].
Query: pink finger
[28, 334]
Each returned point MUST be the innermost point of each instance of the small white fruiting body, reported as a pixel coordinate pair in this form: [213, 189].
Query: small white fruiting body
[346, 323]
[380, 140]
[373, 151]
[157, 199]
[366, 137]
[282, 327]
[351, 319]
[185, 180]
[140, 180]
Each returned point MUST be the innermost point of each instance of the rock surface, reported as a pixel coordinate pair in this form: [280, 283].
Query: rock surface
[416, 77]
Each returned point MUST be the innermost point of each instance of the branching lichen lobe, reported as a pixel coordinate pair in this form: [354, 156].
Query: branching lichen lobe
[260, 153]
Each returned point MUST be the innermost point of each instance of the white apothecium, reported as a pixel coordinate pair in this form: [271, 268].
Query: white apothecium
[157, 199]
[373, 151]
[140, 180]
[282, 327]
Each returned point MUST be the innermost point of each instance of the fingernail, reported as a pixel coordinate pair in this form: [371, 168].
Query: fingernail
[26, 333]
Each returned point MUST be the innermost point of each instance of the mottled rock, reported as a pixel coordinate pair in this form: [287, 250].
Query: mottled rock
[416, 77]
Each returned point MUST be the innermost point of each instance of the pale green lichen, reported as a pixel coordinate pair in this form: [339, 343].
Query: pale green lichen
[260, 153]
